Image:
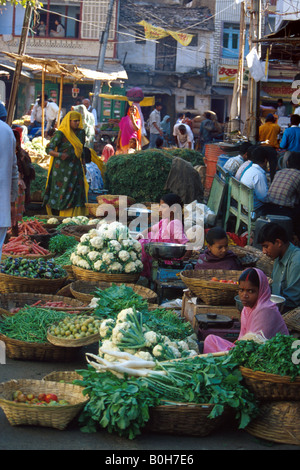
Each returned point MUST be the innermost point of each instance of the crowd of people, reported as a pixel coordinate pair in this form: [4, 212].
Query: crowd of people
[75, 177]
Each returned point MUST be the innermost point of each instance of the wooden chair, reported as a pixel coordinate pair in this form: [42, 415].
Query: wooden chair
[216, 199]
[240, 204]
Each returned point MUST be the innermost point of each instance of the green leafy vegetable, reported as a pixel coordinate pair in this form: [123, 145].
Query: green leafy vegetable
[273, 356]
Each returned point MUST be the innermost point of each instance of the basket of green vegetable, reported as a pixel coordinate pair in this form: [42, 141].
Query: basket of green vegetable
[41, 403]
[270, 369]
[25, 335]
[84, 291]
[27, 275]
[75, 332]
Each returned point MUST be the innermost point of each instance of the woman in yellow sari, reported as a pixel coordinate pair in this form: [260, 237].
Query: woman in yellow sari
[66, 187]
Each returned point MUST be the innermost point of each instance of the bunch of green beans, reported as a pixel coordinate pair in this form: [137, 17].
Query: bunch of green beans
[30, 324]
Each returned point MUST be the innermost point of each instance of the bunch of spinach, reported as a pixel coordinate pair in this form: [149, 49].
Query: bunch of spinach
[112, 300]
[274, 356]
[143, 175]
[117, 405]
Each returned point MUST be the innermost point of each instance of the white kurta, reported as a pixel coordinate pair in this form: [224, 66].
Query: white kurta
[8, 173]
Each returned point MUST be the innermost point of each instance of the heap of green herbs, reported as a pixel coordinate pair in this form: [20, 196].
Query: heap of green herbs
[143, 175]
[123, 405]
[275, 356]
[60, 243]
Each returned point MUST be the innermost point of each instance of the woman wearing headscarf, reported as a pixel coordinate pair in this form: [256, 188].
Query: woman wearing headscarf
[166, 128]
[107, 152]
[88, 122]
[168, 230]
[66, 187]
[259, 315]
[130, 128]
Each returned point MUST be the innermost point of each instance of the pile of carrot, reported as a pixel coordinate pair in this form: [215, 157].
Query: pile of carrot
[23, 245]
[31, 227]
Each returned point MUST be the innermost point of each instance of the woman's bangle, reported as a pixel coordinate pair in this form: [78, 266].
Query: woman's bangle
[59, 154]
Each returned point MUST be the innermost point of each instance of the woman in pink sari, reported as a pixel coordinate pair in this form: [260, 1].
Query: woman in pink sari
[130, 128]
[169, 229]
[259, 315]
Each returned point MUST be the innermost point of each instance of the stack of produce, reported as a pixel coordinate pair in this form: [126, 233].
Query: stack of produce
[129, 333]
[75, 327]
[31, 227]
[24, 246]
[122, 394]
[79, 220]
[108, 249]
[32, 268]
[60, 243]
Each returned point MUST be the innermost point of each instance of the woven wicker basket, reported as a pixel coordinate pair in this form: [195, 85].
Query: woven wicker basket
[210, 292]
[44, 352]
[53, 416]
[67, 376]
[25, 284]
[271, 387]
[11, 301]
[83, 290]
[87, 275]
[76, 231]
[277, 422]
[264, 262]
[73, 343]
[188, 419]
[29, 256]
[91, 208]
[292, 319]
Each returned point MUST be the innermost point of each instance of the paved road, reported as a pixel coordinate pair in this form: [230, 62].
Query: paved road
[37, 438]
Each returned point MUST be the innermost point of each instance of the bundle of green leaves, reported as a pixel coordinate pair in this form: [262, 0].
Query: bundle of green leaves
[274, 356]
[143, 175]
[122, 405]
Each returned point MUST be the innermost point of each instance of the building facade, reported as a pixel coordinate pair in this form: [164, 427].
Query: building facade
[81, 23]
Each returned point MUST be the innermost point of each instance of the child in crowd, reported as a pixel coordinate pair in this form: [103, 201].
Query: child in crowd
[217, 255]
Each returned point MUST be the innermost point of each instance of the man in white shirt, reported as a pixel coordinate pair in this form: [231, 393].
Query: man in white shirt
[51, 115]
[9, 176]
[87, 104]
[233, 164]
[154, 125]
[255, 178]
[184, 136]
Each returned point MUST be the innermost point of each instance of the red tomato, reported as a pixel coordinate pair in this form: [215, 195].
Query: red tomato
[50, 397]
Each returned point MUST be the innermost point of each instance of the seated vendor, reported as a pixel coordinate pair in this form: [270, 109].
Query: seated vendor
[169, 229]
[217, 255]
[286, 270]
[260, 316]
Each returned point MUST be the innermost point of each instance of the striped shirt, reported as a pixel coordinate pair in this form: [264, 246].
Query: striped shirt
[285, 188]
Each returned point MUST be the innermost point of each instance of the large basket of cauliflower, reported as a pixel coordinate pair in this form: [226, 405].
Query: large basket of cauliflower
[107, 253]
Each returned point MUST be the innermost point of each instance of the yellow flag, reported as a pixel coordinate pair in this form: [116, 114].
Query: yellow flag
[152, 32]
[183, 38]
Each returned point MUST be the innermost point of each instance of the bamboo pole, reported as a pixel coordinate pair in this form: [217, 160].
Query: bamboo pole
[18, 69]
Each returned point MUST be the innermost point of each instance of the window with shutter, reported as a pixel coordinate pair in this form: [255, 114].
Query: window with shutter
[94, 14]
